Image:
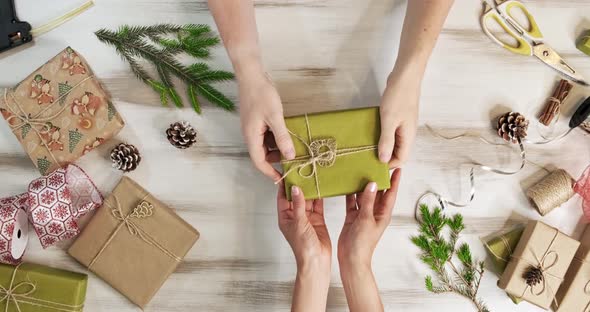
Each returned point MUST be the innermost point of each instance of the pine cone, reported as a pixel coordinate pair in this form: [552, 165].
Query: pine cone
[512, 127]
[125, 157]
[181, 135]
[533, 276]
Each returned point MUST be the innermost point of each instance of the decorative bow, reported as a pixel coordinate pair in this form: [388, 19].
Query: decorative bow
[582, 187]
[53, 205]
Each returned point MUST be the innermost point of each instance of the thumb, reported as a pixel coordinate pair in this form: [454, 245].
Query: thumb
[282, 137]
[386, 143]
[367, 201]
[298, 202]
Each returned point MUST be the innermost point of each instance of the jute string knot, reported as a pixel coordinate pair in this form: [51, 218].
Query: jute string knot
[38, 122]
[143, 210]
[21, 293]
[320, 152]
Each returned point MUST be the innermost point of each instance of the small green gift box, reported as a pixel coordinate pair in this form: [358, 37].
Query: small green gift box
[583, 43]
[33, 288]
[336, 153]
[500, 249]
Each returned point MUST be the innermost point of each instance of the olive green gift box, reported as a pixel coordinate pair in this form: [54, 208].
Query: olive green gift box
[336, 153]
[36, 288]
[500, 249]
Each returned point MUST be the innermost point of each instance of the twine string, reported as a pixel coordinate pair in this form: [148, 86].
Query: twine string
[320, 152]
[37, 121]
[13, 294]
[551, 191]
[544, 267]
[143, 210]
[506, 244]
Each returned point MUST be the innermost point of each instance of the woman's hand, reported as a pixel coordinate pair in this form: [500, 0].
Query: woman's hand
[261, 113]
[303, 225]
[399, 118]
[367, 215]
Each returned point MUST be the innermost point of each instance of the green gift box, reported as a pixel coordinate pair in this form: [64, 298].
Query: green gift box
[500, 249]
[336, 153]
[583, 43]
[34, 288]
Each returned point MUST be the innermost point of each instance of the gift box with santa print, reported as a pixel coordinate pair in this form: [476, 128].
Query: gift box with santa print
[60, 112]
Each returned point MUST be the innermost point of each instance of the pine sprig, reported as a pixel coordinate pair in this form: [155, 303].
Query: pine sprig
[441, 255]
[160, 45]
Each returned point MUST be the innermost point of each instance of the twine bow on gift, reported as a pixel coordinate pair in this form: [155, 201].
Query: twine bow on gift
[37, 123]
[320, 152]
[19, 294]
[142, 211]
[53, 204]
[542, 266]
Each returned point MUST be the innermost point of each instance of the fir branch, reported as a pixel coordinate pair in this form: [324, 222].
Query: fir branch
[439, 253]
[159, 45]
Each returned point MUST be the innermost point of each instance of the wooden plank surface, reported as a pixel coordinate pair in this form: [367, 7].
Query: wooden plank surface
[323, 55]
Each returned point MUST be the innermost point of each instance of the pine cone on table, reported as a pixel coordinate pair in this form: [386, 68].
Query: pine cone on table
[512, 127]
[533, 276]
[181, 135]
[125, 157]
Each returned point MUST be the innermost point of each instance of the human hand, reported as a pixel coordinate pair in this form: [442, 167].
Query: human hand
[367, 215]
[303, 225]
[263, 124]
[399, 117]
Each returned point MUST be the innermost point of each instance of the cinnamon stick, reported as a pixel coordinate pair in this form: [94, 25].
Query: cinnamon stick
[553, 105]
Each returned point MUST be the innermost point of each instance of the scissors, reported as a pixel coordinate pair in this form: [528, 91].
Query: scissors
[530, 41]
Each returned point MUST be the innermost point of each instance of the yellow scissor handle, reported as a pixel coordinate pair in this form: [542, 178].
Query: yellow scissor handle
[533, 32]
[523, 47]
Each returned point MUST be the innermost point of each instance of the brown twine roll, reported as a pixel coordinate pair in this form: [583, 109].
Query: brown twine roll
[552, 191]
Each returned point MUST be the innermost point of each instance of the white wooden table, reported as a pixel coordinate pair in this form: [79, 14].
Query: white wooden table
[323, 55]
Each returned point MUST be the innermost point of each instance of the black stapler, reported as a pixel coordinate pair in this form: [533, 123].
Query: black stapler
[13, 32]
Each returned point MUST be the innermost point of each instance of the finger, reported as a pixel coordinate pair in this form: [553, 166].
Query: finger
[258, 156]
[367, 201]
[350, 203]
[282, 202]
[282, 137]
[386, 141]
[391, 194]
[318, 206]
[403, 143]
[298, 201]
[308, 205]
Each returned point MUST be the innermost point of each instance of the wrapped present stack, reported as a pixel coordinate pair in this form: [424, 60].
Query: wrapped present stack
[574, 294]
[60, 112]
[336, 153]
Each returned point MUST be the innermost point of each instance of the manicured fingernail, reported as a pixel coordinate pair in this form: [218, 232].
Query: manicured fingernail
[289, 154]
[295, 190]
[372, 187]
[383, 157]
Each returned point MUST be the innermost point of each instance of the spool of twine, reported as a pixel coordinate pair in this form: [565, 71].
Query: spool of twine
[552, 191]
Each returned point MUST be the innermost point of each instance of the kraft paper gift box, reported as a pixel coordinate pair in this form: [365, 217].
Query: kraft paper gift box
[38, 288]
[546, 250]
[134, 242]
[583, 43]
[336, 153]
[500, 249]
[60, 112]
[574, 293]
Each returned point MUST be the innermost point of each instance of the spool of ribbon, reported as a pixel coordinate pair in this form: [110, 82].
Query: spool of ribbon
[143, 210]
[53, 204]
[19, 118]
[24, 293]
[320, 152]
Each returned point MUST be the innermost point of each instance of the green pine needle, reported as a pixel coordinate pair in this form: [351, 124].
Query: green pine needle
[438, 253]
[160, 45]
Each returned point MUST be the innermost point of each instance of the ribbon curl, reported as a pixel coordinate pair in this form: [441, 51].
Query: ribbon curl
[582, 187]
[53, 205]
[320, 152]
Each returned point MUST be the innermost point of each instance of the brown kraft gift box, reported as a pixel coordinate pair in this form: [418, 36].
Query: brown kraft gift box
[134, 242]
[574, 293]
[548, 252]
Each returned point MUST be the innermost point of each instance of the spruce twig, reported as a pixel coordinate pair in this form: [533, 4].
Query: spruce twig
[443, 256]
[160, 45]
